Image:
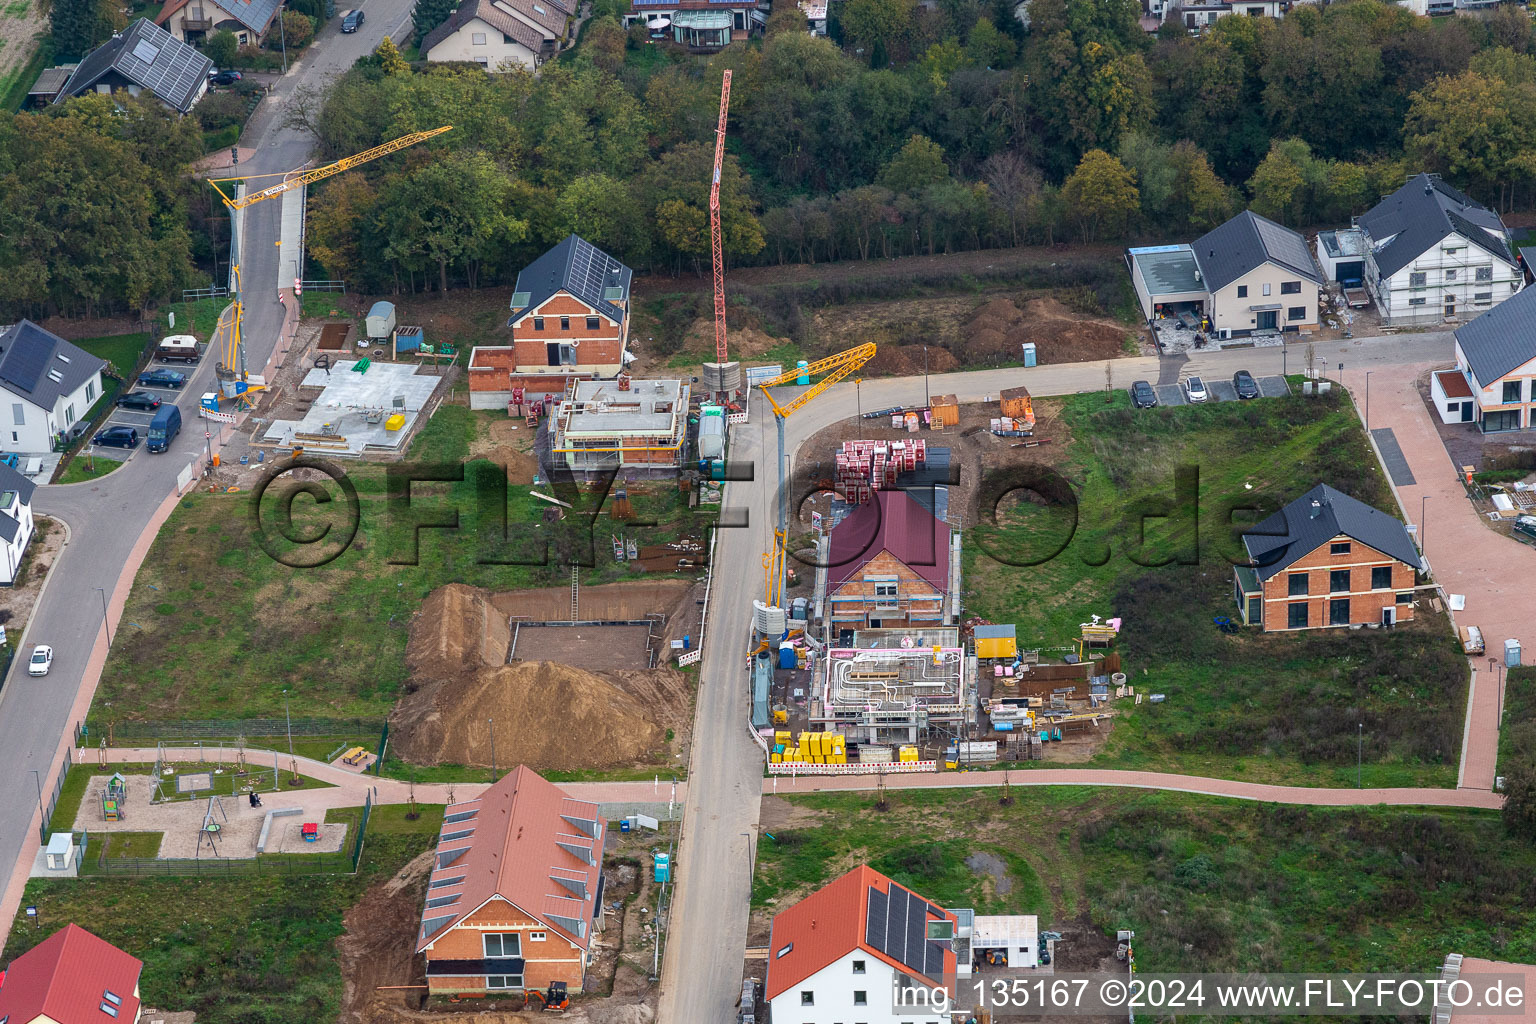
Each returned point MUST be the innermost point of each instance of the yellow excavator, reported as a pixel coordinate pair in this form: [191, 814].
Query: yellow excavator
[836, 368]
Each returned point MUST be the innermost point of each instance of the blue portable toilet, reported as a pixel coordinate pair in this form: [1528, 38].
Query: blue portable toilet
[1511, 653]
[663, 867]
[804, 377]
[787, 656]
[624, 825]
[1029, 353]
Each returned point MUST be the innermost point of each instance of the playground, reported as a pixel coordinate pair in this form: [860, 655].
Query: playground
[213, 826]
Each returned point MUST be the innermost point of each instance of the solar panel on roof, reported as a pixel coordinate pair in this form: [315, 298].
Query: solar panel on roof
[874, 928]
[26, 360]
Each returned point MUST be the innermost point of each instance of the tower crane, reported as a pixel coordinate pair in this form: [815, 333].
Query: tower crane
[836, 368]
[234, 347]
[723, 376]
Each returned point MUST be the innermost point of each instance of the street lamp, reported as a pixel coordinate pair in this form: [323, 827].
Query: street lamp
[289, 720]
[37, 778]
[1422, 503]
[751, 867]
[1368, 400]
[925, 375]
[282, 33]
[104, 621]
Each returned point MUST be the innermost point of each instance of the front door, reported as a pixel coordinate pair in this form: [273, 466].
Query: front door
[1267, 320]
[1450, 306]
[1466, 412]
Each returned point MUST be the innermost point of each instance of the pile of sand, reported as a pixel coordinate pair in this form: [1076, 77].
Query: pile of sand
[457, 631]
[546, 716]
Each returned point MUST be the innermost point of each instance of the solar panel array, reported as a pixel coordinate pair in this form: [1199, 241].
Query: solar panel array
[26, 360]
[897, 925]
[590, 269]
[169, 69]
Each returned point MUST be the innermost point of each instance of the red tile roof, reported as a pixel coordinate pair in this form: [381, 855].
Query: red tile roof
[524, 834]
[896, 523]
[67, 977]
[828, 925]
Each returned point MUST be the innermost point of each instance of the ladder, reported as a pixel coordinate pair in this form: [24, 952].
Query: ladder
[575, 590]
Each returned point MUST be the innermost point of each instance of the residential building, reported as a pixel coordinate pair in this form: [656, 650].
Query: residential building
[1327, 559]
[496, 33]
[1167, 281]
[1431, 252]
[895, 686]
[1494, 382]
[142, 58]
[815, 12]
[71, 977]
[892, 563]
[698, 24]
[494, 384]
[193, 21]
[862, 949]
[48, 86]
[516, 892]
[50, 383]
[1259, 277]
[570, 309]
[640, 426]
[15, 521]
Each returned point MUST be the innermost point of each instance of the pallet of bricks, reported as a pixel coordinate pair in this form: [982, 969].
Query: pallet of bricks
[864, 467]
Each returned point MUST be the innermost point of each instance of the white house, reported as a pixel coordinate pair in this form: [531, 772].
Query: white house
[15, 521]
[1432, 252]
[1494, 383]
[50, 385]
[1259, 275]
[493, 33]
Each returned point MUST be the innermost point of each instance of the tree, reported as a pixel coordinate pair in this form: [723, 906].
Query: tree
[1101, 193]
[878, 27]
[602, 210]
[684, 228]
[1200, 200]
[389, 58]
[1520, 797]
[221, 47]
[919, 164]
[989, 48]
[942, 60]
[1480, 131]
[78, 26]
[604, 43]
[452, 212]
[682, 107]
[1012, 185]
[786, 19]
[682, 176]
[1281, 185]
[428, 14]
[298, 29]
[859, 213]
[1151, 163]
[335, 224]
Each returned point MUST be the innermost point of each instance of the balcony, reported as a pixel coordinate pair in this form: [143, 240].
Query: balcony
[195, 20]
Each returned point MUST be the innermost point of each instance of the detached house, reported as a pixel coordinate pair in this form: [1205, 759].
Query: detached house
[1259, 276]
[1431, 252]
[493, 33]
[50, 385]
[142, 58]
[193, 21]
[570, 310]
[71, 977]
[891, 563]
[1326, 559]
[516, 892]
[699, 25]
[15, 521]
[1494, 382]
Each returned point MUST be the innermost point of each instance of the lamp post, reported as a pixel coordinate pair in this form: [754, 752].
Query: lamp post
[288, 720]
[1422, 509]
[104, 621]
[1368, 400]
[38, 778]
[282, 33]
[925, 375]
[751, 867]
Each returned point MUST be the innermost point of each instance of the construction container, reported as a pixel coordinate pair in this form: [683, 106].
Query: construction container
[908, 753]
[395, 422]
[381, 320]
[871, 754]
[944, 412]
[996, 642]
[711, 432]
[781, 737]
[777, 757]
[1017, 403]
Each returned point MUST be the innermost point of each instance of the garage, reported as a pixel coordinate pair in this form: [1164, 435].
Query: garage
[1168, 283]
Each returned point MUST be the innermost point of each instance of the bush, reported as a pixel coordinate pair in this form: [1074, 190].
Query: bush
[221, 48]
[221, 139]
[220, 110]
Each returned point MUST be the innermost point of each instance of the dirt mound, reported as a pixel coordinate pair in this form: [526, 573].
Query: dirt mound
[457, 631]
[907, 361]
[379, 943]
[547, 716]
[998, 329]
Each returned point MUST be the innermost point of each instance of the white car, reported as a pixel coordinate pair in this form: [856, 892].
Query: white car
[42, 660]
[1194, 390]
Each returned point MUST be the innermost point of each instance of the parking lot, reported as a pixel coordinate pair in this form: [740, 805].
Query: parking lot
[139, 419]
[1221, 390]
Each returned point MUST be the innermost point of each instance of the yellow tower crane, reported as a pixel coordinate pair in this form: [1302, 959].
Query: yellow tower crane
[836, 368]
[233, 364]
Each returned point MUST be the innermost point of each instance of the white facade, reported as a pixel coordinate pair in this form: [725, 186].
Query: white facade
[858, 988]
[482, 44]
[1452, 278]
[1508, 403]
[19, 514]
[29, 428]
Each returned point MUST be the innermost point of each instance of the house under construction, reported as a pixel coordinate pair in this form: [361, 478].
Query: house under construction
[898, 691]
[621, 424]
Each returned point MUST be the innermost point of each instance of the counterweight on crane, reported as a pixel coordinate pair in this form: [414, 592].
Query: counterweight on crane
[721, 378]
[836, 368]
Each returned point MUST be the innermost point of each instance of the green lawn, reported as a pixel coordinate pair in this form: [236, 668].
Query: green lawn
[1517, 734]
[199, 318]
[82, 468]
[14, 85]
[1252, 706]
[1206, 884]
[243, 950]
[121, 845]
[121, 350]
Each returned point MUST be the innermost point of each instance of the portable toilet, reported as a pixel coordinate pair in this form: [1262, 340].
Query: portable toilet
[61, 851]
[1511, 653]
[803, 376]
[786, 655]
[1029, 353]
[663, 867]
[996, 642]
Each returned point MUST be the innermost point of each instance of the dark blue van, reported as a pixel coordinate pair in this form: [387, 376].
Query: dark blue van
[164, 428]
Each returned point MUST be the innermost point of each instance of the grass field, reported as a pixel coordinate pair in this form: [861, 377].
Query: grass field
[1140, 519]
[82, 468]
[121, 350]
[1206, 884]
[257, 950]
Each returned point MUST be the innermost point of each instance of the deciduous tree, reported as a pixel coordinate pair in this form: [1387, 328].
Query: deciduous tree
[1101, 194]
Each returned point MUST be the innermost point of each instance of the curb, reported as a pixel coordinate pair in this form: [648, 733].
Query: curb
[41, 591]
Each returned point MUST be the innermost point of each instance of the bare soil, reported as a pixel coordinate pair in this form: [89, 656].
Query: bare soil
[510, 445]
[379, 946]
[590, 647]
[17, 602]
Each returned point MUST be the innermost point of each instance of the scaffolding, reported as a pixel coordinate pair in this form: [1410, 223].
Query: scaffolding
[896, 694]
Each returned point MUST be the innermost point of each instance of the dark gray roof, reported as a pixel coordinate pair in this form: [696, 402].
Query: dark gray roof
[1502, 338]
[10, 480]
[1412, 220]
[40, 366]
[579, 267]
[1246, 242]
[151, 58]
[1299, 529]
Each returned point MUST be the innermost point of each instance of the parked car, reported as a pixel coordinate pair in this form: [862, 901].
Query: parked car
[1194, 390]
[11, 459]
[225, 77]
[162, 378]
[1526, 525]
[119, 437]
[352, 21]
[141, 400]
[42, 660]
[1142, 395]
[1244, 384]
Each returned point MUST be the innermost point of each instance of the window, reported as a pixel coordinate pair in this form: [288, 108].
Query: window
[538, 323]
[69, 414]
[1338, 581]
[1290, 288]
[1296, 313]
[1339, 548]
[807, 999]
[1338, 612]
[1242, 291]
[19, 413]
[502, 944]
[1514, 286]
[446, 881]
[858, 967]
[1266, 289]
[860, 998]
[1511, 391]
[477, 38]
[90, 391]
[886, 590]
[1381, 577]
[593, 323]
[504, 981]
[1406, 598]
[1450, 273]
[535, 936]
[1483, 297]
[484, 62]
[565, 323]
[1483, 274]
[1418, 279]
[1421, 300]
[1297, 584]
[1296, 616]
[783, 950]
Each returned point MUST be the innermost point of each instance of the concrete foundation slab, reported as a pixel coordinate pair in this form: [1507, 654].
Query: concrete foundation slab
[349, 400]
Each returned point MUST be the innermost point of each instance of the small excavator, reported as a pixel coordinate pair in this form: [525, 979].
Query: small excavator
[554, 1001]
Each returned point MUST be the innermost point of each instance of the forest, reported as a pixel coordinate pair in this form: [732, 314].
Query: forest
[915, 128]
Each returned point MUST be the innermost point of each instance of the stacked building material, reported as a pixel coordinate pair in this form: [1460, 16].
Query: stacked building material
[864, 467]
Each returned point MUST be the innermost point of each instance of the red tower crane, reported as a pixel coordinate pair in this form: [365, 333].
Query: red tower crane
[714, 221]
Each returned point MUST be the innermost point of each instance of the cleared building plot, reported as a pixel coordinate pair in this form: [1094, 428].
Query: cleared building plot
[595, 646]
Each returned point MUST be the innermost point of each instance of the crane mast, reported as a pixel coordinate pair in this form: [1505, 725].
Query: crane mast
[721, 378]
